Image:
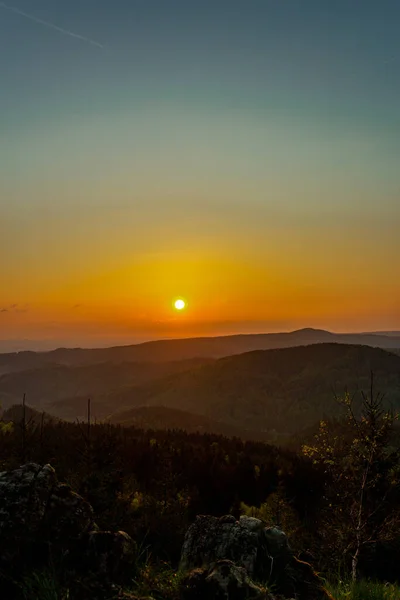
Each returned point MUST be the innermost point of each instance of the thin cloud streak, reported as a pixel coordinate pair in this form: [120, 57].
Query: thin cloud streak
[34, 19]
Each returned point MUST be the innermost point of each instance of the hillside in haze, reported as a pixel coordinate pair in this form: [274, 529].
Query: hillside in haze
[17, 413]
[54, 382]
[275, 392]
[184, 349]
[281, 390]
[261, 393]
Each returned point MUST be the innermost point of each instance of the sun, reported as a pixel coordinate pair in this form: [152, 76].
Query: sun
[180, 304]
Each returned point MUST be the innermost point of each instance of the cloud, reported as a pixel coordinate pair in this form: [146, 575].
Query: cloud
[34, 19]
[15, 308]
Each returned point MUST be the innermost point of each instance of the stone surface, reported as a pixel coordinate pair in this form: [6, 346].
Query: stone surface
[222, 581]
[43, 520]
[263, 552]
[247, 542]
[210, 539]
[36, 511]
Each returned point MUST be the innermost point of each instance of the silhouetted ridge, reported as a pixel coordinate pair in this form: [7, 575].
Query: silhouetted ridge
[281, 390]
[188, 348]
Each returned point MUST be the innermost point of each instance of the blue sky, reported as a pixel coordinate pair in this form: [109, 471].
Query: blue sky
[195, 124]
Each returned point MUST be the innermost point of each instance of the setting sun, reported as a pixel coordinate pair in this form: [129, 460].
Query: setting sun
[180, 304]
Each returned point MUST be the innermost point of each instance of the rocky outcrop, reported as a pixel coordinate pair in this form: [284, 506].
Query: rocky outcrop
[36, 511]
[262, 552]
[222, 581]
[247, 543]
[42, 520]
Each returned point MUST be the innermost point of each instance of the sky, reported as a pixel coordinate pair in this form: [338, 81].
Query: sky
[242, 155]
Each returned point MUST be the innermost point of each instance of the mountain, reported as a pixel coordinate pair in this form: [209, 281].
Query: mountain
[57, 382]
[259, 393]
[389, 333]
[15, 414]
[184, 349]
[277, 391]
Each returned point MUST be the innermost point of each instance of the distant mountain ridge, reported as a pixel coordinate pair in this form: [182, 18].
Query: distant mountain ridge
[261, 394]
[189, 348]
[280, 391]
[53, 383]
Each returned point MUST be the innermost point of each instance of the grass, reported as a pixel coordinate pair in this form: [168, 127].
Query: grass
[364, 590]
[159, 581]
[42, 585]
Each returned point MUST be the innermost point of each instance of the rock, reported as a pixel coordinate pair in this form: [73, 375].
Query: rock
[263, 552]
[277, 542]
[35, 511]
[68, 515]
[42, 519]
[210, 539]
[222, 581]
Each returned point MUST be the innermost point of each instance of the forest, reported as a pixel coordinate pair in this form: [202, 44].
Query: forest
[153, 483]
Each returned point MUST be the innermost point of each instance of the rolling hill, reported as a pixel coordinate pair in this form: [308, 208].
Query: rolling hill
[15, 414]
[277, 391]
[262, 394]
[184, 349]
[57, 382]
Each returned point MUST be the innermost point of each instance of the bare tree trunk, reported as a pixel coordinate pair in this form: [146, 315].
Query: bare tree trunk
[89, 441]
[23, 424]
[354, 562]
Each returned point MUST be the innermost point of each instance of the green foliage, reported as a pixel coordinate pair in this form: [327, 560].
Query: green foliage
[276, 511]
[42, 585]
[6, 427]
[152, 484]
[363, 478]
[364, 590]
[159, 581]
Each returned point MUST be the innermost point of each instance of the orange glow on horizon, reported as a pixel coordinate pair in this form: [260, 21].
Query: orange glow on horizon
[233, 289]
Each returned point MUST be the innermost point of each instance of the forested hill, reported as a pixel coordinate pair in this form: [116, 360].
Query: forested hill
[53, 383]
[263, 394]
[284, 390]
[182, 349]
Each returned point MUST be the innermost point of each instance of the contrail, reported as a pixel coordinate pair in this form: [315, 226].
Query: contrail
[50, 25]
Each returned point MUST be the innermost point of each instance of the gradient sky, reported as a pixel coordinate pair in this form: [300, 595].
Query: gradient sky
[241, 154]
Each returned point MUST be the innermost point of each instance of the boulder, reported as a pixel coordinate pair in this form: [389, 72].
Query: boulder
[210, 539]
[263, 552]
[247, 543]
[221, 581]
[36, 511]
[43, 520]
